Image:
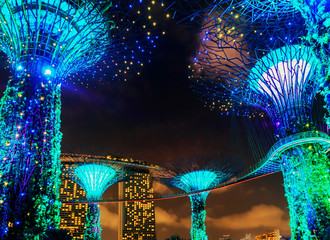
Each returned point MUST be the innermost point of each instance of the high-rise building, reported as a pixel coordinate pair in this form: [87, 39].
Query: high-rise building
[274, 235]
[247, 237]
[72, 216]
[137, 218]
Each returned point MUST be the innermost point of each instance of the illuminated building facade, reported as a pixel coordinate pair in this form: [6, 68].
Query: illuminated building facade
[137, 219]
[275, 235]
[73, 216]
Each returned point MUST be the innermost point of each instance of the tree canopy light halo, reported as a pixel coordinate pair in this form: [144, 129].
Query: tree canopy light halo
[198, 181]
[53, 33]
[315, 16]
[235, 55]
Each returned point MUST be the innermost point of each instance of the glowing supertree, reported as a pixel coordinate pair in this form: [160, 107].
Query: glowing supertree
[95, 179]
[315, 18]
[194, 175]
[47, 42]
[261, 64]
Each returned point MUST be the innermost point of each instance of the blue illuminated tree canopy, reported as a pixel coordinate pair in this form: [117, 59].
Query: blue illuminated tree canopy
[95, 179]
[59, 37]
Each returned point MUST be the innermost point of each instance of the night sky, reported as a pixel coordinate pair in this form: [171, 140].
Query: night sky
[156, 117]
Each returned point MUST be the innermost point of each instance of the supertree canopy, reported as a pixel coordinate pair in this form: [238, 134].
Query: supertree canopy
[47, 42]
[95, 179]
[316, 21]
[262, 64]
[196, 176]
[283, 83]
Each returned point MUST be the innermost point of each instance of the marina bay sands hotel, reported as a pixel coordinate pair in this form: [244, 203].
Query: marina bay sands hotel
[137, 219]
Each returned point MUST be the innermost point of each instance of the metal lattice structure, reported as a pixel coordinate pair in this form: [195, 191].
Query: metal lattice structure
[236, 55]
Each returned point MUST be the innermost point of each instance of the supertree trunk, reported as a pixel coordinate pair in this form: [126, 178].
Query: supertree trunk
[307, 186]
[30, 151]
[93, 228]
[198, 214]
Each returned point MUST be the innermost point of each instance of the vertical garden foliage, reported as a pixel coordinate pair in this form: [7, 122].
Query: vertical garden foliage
[198, 214]
[30, 138]
[43, 44]
[306, 181]
[93, 227]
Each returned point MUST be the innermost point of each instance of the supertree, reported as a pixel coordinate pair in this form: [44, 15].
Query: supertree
[248, 60]
[315, 16]
[94, 179]
[47, 42]
[195, 176]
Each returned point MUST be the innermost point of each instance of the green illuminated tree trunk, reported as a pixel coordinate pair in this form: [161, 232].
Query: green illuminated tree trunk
[307, 185]
[30, 151]
[93, 228]
[198, 214]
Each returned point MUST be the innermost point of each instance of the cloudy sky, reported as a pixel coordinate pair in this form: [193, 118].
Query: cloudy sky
[252, 207]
